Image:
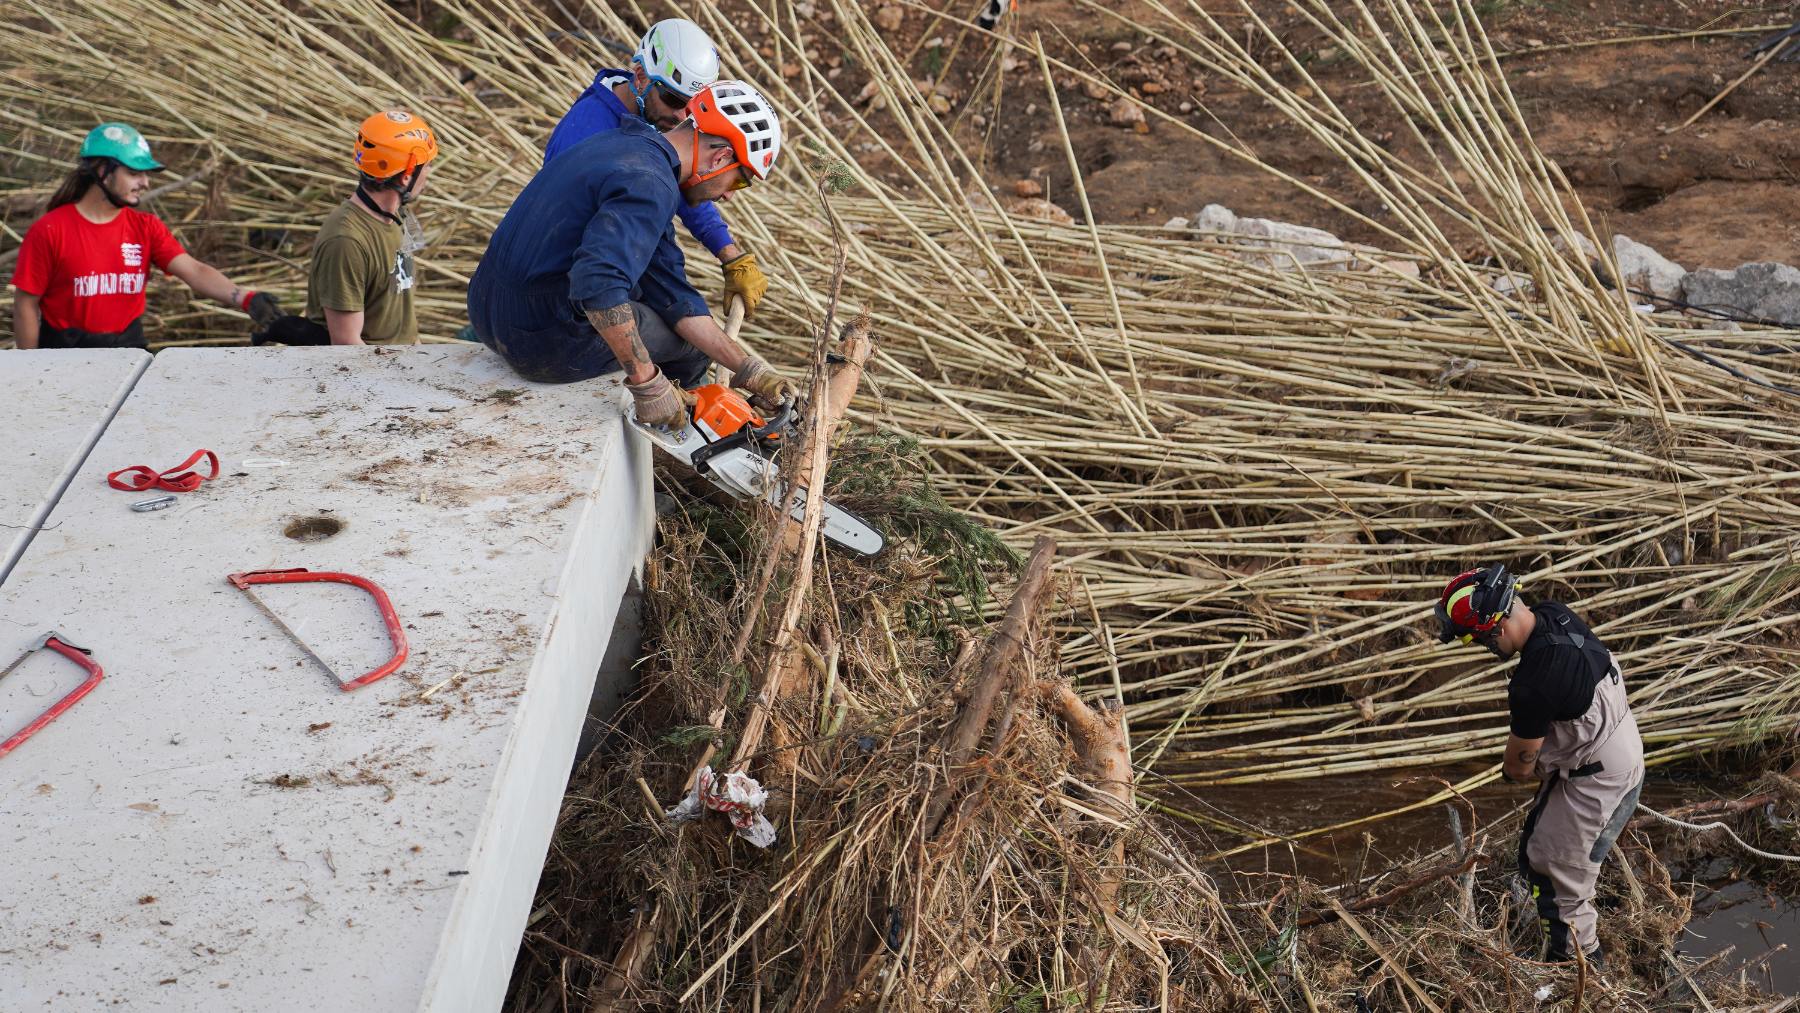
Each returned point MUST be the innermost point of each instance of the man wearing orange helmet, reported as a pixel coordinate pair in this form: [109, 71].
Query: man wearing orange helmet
[1572, 731]
[583, 277]
[674, 60]
[359, 284]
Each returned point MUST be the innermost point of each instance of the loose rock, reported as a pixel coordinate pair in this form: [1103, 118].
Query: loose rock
[1762, 291]
[1039, 208]
[1403, 268]
[1585, 246]
[1126, 113]
[1646, 270]
[1289, 245]
[1215, 218]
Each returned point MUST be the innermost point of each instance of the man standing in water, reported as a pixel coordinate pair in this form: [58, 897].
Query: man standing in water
[1571, 730]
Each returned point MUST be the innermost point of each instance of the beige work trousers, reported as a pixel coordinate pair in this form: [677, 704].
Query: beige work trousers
[1593, 768]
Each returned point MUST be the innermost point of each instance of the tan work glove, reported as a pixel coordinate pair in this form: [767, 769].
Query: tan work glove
[766, 387]
[656, 402]
[745, 280]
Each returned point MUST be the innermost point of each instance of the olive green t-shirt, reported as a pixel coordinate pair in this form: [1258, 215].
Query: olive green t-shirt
[357, 265]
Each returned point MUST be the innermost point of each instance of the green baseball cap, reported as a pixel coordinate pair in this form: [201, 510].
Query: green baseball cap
[123, 144]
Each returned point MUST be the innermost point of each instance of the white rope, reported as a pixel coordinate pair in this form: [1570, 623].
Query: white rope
[1704, 827]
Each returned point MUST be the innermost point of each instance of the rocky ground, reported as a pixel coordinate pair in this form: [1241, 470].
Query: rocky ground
[1716, 194]
[1608, 110]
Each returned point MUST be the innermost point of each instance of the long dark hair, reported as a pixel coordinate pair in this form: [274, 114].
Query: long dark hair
[74, 186]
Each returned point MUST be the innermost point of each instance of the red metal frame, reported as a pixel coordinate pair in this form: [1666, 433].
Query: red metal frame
[53, 641]
[397, 634]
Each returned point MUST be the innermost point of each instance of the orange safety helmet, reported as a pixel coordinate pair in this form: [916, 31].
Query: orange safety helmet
[393, 142]
[738, 113]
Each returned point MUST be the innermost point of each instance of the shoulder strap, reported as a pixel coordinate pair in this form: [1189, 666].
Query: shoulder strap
[1599, 659]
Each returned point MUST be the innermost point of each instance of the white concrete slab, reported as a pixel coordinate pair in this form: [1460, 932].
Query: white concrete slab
[217, 827]
[57, 402]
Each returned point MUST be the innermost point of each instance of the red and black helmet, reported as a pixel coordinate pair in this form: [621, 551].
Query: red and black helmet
[1474, 603]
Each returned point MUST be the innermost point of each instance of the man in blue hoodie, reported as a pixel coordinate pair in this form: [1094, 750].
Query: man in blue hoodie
[674, 61]
[583, 277]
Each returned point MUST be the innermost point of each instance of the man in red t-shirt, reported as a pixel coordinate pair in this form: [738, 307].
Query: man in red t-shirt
[79, 281]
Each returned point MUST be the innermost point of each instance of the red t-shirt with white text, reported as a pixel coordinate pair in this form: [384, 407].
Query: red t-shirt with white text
[91, 277]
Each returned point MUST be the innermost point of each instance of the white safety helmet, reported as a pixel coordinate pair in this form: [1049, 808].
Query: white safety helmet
[676, 54]
[737, 112]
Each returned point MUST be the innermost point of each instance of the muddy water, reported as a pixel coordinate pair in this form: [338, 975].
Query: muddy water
[1727, 912]
[1744, 915]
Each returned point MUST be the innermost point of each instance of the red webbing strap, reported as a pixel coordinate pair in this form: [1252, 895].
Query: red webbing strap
[180, 478]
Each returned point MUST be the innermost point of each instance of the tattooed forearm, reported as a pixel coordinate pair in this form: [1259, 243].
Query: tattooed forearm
[612, 316]
[1521, 762]
[618, 328]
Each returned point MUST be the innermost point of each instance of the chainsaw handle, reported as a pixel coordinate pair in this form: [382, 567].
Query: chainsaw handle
[762, 435]
[784, 415]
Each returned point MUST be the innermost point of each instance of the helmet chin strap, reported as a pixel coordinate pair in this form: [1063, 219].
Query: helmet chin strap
[693, 179]
[362, 194]
[406, 194]
[100, 180]
[411, 190]
[696, 177]
[631, 82]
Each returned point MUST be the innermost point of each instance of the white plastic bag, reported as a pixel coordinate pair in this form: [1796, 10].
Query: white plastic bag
[738, 796]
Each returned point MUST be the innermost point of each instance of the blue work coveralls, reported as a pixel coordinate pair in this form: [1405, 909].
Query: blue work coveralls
[599, 110]
[592, 230]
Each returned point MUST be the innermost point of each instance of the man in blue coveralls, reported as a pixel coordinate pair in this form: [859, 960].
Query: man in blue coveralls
[673, 62]
[583, 277]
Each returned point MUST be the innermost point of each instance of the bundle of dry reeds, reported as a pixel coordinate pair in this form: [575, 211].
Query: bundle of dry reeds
[1262, 475]
[1259, 477]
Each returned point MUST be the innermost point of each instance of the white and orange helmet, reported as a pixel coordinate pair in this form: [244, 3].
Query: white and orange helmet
[739, 113]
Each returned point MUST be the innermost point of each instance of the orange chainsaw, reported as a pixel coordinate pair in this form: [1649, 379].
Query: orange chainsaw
[735, 448]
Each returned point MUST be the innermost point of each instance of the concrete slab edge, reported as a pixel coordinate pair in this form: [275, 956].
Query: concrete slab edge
[475, 958]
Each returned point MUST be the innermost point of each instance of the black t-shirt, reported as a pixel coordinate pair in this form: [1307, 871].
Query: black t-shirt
[1554, 681]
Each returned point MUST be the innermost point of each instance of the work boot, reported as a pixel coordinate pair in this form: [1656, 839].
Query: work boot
[1596, 957]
